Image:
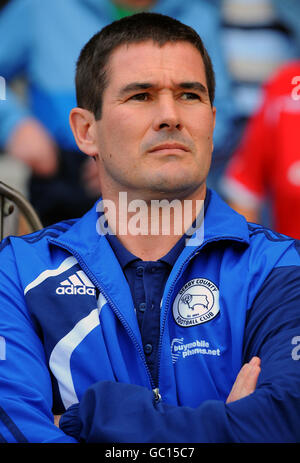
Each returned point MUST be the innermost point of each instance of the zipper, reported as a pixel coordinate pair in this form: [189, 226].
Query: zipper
[157, 396]
[168, 297]
[167, 310]
[114, 307]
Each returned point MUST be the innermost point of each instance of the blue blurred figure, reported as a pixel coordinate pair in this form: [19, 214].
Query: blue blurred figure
[258, 36]
[41, 42]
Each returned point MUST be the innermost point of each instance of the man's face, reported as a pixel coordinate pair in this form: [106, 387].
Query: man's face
[154, 138]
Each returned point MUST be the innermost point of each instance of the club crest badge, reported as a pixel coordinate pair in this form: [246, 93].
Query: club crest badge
[196, 303]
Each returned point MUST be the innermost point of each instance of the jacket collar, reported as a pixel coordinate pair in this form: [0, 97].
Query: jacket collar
[220, 223]
[97, 258]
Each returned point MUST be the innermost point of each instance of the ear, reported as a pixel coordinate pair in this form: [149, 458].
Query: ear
[214, 111]
[82, 123]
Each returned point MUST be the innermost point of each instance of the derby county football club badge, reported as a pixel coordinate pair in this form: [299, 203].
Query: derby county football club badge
[196, 303]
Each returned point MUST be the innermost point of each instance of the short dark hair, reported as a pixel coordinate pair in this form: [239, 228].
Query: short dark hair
[91, 70]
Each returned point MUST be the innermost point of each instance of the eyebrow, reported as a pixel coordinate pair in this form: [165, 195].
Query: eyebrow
[137, 86]
[193, 86]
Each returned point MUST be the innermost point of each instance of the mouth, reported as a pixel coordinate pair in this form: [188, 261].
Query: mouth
[169, 147]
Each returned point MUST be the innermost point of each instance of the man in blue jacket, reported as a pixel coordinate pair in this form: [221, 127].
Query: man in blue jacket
[132, 327]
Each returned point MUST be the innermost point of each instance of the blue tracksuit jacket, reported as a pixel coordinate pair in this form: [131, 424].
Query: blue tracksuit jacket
[69, 335]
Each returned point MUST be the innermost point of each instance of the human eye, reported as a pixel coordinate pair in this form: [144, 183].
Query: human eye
[190, 96]
[140, 97]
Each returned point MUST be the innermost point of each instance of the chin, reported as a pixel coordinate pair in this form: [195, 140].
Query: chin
[179, 179]
[175, 189]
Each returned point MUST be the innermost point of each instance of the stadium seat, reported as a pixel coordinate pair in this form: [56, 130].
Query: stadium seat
[17, 216]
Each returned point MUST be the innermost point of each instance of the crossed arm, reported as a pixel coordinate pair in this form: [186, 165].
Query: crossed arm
[263, 405]
[244, 384]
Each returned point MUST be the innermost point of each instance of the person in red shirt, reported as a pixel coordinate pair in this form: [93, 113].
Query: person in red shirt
[266, 165]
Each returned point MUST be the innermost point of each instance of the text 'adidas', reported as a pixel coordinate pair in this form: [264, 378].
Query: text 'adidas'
[78, 283]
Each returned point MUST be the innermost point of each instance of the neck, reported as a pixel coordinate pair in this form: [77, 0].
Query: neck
[149, 229]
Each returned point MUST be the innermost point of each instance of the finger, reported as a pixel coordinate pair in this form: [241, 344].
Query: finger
[246, 380]
[255, 361]
[250, 380]
[56, 420]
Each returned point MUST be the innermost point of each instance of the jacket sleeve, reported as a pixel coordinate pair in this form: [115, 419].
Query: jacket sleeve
[114, 412]
[14, 57]
[25, 383]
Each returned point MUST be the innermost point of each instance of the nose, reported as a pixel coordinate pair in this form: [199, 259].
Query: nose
[166, 114]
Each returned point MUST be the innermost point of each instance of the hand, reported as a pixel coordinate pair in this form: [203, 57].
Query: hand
[246, 380]
[56, 420]
[90, 178]
[31, 144]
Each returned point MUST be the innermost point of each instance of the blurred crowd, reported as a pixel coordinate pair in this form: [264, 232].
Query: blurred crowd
[255, 49]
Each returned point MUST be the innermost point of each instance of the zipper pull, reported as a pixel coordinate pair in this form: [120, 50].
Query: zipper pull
[157, 396]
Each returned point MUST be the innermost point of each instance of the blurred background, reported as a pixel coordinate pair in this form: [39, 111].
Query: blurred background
[255, 49]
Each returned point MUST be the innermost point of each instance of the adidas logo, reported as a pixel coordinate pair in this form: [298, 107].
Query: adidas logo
[78, 283]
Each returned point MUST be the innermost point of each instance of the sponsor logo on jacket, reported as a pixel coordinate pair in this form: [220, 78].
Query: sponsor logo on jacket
[180, 349]
[76, 284]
